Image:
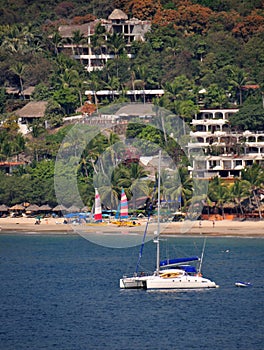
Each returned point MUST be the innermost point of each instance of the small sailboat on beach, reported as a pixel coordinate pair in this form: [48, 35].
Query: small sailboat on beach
[97, 207]
[171, 273]
[122, 213]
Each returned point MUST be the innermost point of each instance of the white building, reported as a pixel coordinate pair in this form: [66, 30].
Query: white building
[226, 152]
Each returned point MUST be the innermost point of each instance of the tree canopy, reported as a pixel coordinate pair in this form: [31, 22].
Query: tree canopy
[194, 45]
[249, 117]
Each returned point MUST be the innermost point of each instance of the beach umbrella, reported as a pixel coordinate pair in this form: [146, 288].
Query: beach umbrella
[73, 209]
[85, 209]
[17, 207]
[3, 208]
[45, 207]
[59, 207]
[32, 207]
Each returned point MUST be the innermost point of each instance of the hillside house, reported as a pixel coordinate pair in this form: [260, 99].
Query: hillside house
[93, 59]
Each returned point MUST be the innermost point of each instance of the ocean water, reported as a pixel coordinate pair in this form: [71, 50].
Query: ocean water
[62, 292]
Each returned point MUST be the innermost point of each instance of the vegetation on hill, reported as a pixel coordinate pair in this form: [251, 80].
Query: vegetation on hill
[193, 46]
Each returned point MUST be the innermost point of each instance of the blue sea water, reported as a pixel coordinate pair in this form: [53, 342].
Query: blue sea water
[62, 292]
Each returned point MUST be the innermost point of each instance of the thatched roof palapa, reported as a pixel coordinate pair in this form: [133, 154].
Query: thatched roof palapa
[45, 207]
[85, 209]
[3, 207]
[34, 109]
[59, 207]
[117, 15]
[73, 209]
[32, 207]
[17, 207]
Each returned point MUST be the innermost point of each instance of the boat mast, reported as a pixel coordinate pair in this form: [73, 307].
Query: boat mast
[158, 228]
[201, 260]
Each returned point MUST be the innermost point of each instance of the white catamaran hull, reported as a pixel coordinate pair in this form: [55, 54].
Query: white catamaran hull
[132, 283]
[162, 281]
[185, 282]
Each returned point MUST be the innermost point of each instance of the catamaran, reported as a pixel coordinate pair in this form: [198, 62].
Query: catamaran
[169, 274]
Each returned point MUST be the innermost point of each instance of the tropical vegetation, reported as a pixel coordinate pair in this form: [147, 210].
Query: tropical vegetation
[194, 46]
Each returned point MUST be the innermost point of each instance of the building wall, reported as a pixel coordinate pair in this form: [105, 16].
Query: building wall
[226, 152]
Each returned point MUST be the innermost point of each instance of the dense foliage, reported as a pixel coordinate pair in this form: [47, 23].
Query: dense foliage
[194, 45]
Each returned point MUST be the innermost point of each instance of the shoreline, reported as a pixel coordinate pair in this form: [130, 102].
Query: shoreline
[205, 228]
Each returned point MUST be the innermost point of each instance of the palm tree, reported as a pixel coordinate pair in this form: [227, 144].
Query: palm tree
[96, 152]
[77, 82]
[179, 186]
[201, 49]
[173, 45]
[181, 89]
[77, 40]
[218, 192]
[86, 188]
[116, 43]
[255, 176]
[18, 144]
[187, 109]
[109, 195]
[171, 187]
[108, 184]
[113, 140]
[93, 83]
[142, 73]
[98, 40]
[239, 190]
[215, 96]
[56, 40]
[20, 39]
[133, 79]
[113, 84]
[237, 78]
[137, 185]
[19, 70]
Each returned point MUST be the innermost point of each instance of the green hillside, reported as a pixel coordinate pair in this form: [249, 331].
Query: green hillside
[193, 46]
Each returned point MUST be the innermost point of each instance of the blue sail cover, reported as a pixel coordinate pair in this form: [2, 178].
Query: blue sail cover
[178, 261]
[188, 268]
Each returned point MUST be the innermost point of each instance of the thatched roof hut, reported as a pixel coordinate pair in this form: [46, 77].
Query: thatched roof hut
[17, 207]
[32, 207]
[59, 207]
[118, 15]
[3, 208]
[73, 209]
[45, 207]
[32, 110]
[85, 209]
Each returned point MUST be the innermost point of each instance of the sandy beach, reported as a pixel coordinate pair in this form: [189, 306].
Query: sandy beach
[206, 227]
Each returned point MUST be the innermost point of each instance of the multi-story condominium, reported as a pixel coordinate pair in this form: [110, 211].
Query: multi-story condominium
[93, 56]
[226, 152]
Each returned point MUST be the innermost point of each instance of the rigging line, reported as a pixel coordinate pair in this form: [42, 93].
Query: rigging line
[142, 245]
[146, 228]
